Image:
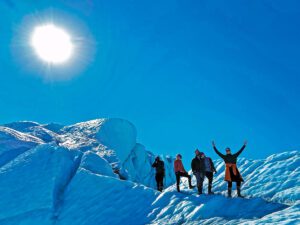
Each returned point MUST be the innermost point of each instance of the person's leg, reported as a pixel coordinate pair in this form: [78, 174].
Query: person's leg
[197, 178]
[200, 178]
[160, 181]
[190, 182]
[184, 174]
[189, 179]
[238, 188]
[157, 180]
[229, 188]
[209, 176]
[177, 180]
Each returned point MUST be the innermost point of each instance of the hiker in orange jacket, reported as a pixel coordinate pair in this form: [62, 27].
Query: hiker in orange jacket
[232, 173]
[180, 172]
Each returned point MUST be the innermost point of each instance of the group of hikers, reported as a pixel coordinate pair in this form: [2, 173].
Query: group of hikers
[203, 166]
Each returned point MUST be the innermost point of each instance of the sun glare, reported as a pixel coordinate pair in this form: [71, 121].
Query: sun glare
[52, 44]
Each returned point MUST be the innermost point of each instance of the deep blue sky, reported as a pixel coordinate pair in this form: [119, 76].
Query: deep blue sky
[184, 72]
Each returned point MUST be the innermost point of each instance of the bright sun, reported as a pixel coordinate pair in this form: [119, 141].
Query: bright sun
[52, 44]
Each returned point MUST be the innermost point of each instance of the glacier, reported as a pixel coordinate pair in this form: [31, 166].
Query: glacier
[95, 172]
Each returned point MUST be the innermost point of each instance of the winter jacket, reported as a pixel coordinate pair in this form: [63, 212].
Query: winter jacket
[211, 164]
[159, 166]
[198, 165]
[231, 171]
[178, 166]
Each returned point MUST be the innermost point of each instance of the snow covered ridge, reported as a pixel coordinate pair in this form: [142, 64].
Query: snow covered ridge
[114, 140]
[276, 178]
[53, 174]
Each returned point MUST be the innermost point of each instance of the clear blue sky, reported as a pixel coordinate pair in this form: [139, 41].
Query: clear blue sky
[184, 72]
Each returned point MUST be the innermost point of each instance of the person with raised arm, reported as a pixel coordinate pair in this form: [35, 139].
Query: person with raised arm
[232, 173]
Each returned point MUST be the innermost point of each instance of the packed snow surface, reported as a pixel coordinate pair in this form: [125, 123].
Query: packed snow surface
[95, 172]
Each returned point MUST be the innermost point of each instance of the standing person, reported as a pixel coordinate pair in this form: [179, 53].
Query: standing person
[159, 165]
[198, 168]
[209, 172]
[232, 173]
[181, 172]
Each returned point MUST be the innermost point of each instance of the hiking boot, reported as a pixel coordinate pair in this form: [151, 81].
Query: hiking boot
[160, 188]
[229, 192]
[209, 190]
[199, 190]
[239, 192]
[190, 183]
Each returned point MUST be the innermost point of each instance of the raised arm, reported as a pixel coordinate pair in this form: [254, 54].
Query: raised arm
[216, 150]
[241, 150]
[154, 164]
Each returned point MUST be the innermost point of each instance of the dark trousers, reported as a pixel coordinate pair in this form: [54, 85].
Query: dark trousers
[238, 184]
[210, 177]
[181, 174]
[159, 177]
[200, 178]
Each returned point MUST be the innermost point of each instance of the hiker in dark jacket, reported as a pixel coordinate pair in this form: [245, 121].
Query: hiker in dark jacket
[198, 168]
[181, 172]
[232, 173]
[209, 172]
[160, 173]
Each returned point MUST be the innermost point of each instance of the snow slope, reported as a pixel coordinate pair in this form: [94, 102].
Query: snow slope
[13, 143]
[276, 178]
[70, 180]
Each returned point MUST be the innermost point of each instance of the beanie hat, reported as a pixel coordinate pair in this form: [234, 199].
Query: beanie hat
[179, 155]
